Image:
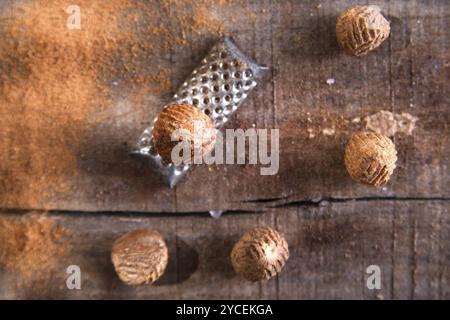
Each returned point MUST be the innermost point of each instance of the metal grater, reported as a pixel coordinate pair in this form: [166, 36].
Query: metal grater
[224, 79]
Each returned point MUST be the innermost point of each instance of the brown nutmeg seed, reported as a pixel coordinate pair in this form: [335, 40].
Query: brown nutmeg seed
[189, 121]
[361, 29]
[139, 257]
[260, 254]
[370, 158]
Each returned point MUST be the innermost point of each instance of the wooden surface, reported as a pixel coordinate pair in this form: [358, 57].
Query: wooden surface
[331, 245]
[335, 228]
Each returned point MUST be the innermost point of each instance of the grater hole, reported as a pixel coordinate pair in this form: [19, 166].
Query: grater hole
[229, 107]
[204, 79]
[205, 90]
[207, 112]
[219, 110]
[226, 87]
[224, 66]
[217, 99]
[214, 67]
[248, 73]
[153, 152]
[248, 83]
[145, 141]
[194, 91]
[166, 163]
[216, 88]
[215, 77]
[234, 63]
[228, 98]
[237, 75]
[223, 55]
[238, 85]
[195, 102]
[238, 95]
[194, 81]
[184, 94]
[226, 76]
[206, 101]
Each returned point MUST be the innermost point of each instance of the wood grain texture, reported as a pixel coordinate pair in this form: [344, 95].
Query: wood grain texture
[296, 39]
[330, 245]
[335, 228]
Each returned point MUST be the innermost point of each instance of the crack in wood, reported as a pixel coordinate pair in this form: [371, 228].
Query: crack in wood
[271, 203]
[324, 201]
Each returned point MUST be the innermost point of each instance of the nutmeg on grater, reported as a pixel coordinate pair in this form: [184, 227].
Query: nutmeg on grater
[197, 127]
[370, 158]
[216, 88]
[360, 29]
[139, 257]
[260, 254]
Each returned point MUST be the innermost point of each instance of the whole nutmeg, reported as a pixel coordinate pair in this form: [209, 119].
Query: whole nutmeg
[189, 124]
[361, 29]
[139, 257]
[260, 254]
[370, 158]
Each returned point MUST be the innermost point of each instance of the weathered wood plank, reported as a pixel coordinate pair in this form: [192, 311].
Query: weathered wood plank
[331, 246]
[408, 73]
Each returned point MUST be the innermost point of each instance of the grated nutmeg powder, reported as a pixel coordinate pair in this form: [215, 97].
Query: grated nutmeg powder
[55, 82]
[32, 248]
[56, 85]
